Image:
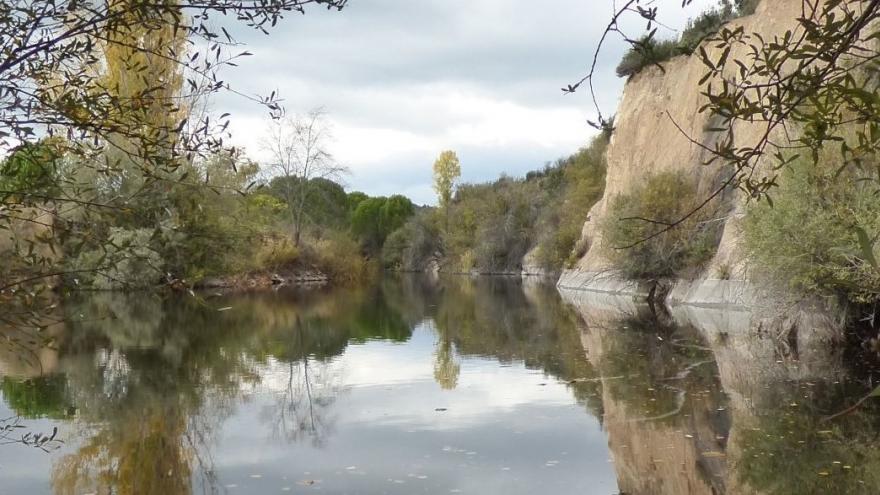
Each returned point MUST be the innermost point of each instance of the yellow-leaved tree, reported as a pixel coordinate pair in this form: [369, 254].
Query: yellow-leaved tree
[447, 170]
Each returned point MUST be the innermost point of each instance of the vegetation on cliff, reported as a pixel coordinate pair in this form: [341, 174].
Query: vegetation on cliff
[649, 51]
[819, 234]
[497, 224]
[635, 229]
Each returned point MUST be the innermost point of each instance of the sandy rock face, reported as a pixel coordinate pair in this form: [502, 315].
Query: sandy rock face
[647, 140]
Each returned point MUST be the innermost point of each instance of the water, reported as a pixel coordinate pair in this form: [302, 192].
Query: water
[416, 386]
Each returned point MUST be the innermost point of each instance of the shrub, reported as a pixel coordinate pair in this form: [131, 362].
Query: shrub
[410, 247]
[646, 52]
[126, 261]
[746, 7]
[339, 257]
[275, 252]
[665, 197]
[818, 235]
[582, 184]
[705, 25]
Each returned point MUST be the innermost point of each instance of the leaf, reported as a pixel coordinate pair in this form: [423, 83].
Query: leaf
[867, 247]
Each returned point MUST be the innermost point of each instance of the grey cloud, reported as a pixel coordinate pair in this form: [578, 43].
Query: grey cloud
[363, 63]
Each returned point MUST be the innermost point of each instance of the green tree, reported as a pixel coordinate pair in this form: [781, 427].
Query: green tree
[117, 80]
[375, 218]
[298, 146]
[327, 206]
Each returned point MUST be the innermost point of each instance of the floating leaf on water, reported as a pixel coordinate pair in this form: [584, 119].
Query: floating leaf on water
[714, 454]
[227, 308]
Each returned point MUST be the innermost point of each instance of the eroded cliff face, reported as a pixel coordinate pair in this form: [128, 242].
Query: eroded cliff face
[656, 121]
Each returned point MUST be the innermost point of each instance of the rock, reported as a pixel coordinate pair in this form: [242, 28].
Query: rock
[214, 283]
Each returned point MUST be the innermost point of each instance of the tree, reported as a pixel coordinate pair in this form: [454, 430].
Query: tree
[447, 170]
[327, 206]
[298, 146]
[114, 81]
[376, 218]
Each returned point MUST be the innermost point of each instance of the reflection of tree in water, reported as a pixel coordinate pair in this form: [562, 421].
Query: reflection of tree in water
[508, 320]
[303, 408]
[147, 454]
[139, 379]
[149, 380]
[446, 366]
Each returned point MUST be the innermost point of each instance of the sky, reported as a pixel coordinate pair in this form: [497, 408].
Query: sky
[403, 80]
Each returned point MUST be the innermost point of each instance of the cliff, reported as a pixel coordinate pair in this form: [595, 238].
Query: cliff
[647, 140]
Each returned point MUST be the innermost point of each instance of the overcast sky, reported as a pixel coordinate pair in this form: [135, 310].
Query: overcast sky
[403, 80]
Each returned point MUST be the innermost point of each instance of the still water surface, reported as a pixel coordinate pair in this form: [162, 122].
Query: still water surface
[477, 386]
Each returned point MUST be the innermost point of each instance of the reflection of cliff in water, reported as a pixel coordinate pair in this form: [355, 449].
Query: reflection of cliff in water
[705, 401]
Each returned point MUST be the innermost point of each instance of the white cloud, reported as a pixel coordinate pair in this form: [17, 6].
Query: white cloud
[404, 80]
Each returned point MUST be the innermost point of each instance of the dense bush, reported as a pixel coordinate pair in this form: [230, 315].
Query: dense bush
[747, 7]
[705, 25]
[645, 53]
[582, 185]
[339, 257]
[819, 234]
[651, 52]
[128, 260]
[412, 246]
[496, 224]
[31, 168]
[374, 219]
[630, 229]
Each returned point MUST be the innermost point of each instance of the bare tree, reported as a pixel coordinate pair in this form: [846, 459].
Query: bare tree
[298, 148]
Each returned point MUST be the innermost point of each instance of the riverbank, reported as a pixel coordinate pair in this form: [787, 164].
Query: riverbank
[266, 279]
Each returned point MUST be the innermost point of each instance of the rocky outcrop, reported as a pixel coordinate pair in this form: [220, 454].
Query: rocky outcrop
[658, 128]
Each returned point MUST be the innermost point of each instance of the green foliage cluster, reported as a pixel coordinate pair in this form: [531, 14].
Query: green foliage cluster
[635, 219]
[326, 203]
[200, 221]
[819, 234]
[410, 247]
[209, 219]
[494, 225]
[31, 168]
[40, 397]
[374, 219]
[582, 184]
[648, 51]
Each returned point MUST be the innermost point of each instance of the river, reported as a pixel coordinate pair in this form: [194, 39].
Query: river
[413, 385]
